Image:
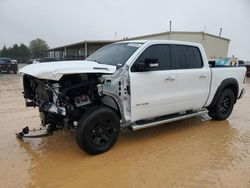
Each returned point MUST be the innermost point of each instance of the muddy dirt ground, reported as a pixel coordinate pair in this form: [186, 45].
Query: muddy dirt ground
[197, 152]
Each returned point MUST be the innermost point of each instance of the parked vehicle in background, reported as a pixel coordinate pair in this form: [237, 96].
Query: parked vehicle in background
[7, 65]
[30, 61]
[44, 60]
[131, 85]
[225, 62]
[241, 63]
[247, 65]
[14, 61]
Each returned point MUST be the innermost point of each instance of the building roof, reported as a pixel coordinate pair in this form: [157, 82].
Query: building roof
[177, 32]
[93, 42]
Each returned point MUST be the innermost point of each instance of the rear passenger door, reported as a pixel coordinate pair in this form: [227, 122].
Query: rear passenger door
[192, 78]
[153, 92]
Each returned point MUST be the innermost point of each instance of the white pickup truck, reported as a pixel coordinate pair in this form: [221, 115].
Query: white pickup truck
[130, 85]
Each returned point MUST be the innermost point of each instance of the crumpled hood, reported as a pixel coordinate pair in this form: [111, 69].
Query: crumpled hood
[55, 70]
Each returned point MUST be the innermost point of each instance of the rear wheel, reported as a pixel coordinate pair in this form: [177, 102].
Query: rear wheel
[224, 105]
[98, 130]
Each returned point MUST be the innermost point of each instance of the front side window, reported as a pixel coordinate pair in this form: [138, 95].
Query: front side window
[188, 57]
[114, 54]
[160, 52]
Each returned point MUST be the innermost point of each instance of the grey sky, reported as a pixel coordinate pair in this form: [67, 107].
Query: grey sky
[62, 22]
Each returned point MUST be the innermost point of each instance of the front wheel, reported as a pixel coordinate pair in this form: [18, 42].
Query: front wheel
[224, 105]
[98, 130]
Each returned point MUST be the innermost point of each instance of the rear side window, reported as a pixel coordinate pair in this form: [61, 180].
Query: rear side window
[187, 57]
[161, 52]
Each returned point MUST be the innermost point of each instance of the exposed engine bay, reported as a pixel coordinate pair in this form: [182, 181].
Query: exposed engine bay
[69, 98]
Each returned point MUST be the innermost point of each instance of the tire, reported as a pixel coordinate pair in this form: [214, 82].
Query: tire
[98, 130]
[224, 105]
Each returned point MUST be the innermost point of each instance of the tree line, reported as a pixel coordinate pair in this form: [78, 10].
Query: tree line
[22, 52]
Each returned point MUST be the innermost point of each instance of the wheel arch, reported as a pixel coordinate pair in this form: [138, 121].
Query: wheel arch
[109, 101]
[229, 83]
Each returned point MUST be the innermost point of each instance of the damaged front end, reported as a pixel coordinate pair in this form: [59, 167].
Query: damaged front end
[42, 94]
[64, 91]
[61, 101]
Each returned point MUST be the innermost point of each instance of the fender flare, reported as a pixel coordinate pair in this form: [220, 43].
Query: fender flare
[227, 83]
[110, 100]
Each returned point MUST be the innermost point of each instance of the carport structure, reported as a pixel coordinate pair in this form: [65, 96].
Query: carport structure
[80, 50]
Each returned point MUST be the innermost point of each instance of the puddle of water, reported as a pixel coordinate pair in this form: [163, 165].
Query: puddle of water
[192, 153]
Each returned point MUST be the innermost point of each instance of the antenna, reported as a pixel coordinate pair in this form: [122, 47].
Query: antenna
[220, 32]
[115, 35]
[205, 28]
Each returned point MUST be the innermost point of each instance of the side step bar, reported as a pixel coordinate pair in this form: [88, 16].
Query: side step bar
[166, 119]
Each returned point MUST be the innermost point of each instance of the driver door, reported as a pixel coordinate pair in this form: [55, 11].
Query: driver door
[153, 91]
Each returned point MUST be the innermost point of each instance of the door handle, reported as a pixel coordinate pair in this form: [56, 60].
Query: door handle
[170, 78]
[203, 76]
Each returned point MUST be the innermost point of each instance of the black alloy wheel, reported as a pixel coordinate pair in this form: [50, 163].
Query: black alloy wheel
[224, 105]
[98, 130]
[102, 132]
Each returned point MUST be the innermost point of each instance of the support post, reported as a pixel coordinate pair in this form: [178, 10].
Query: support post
[65, 53]
[86, 49]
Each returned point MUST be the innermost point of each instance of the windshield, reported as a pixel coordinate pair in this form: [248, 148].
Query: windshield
[5, 61]
[114, 54]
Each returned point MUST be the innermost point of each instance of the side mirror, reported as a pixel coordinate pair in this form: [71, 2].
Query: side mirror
[148, 64]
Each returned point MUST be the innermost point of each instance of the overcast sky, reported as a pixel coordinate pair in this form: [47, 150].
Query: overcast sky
[61, 22]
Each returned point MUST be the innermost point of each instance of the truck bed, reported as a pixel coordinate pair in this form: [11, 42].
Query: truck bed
[220, 73]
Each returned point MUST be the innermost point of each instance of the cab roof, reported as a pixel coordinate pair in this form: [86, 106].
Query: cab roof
[161, 42]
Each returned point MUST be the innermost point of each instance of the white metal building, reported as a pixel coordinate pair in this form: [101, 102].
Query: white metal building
[215, 46]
